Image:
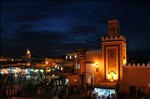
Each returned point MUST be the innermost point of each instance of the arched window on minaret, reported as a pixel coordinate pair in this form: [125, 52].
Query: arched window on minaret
[112, 32]
[113, 28]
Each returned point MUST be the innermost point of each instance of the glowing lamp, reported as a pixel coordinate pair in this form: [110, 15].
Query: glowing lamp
[46, 62]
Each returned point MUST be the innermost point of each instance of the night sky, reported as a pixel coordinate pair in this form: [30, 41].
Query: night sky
[51, 28]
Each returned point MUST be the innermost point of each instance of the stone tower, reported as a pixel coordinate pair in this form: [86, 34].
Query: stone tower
[113, 28]
[28, 54]
[113, 52]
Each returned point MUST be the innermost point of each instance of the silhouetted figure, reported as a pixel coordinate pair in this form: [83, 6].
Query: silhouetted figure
[108, 97]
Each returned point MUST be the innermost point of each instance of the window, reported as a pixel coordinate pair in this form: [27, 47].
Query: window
[78, 66]
[112, 31]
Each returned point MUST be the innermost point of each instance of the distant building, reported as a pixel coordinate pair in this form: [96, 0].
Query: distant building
[28, 54]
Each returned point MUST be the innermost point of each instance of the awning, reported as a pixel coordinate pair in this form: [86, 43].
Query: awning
[51, 77]
[106, 84]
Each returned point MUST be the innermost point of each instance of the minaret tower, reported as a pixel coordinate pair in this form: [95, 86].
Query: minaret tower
[113, 28]
[113, 52]
[28, 54]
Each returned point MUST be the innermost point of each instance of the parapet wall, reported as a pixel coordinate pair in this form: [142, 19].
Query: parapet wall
[138, 65]
[107, 38]
[137, 75]
[113, 20]
[93, 51]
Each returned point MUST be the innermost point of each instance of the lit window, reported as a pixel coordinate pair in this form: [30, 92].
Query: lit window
[66, 57]
[75, 56]
[70, 57]
[78, 66]
[61, 68]
[55, 66]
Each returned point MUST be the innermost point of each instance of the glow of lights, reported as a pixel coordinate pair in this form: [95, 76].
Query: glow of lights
[96, 64]
[66, 80]
[70, 57]
[48, 70]
[75, 80]
[52, 69]
[112, 79]
[115, 76]
[108, 76]
[28, 64]
[46, 62]
[61, 68]
[2, 72]
[55, 66]
[76, 67]
[149, 85]
[112, 76]
[124, 61]
[19, 69]
[36, 70]
[93, 65]
[66, 57]
[53, 75]
[41, 70]
[75, 56]
[5, 71]
[28, 51]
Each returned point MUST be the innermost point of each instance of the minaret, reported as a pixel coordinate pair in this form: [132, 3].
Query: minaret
[113, 52]
[28, 54]
[113, 28]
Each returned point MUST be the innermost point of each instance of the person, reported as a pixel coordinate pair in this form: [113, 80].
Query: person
[39, 91]
[108, 97]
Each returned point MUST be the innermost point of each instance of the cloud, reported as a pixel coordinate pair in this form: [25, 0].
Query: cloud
[54, 27]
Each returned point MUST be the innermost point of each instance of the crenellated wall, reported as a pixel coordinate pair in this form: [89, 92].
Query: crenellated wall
[93, 51]
[107, 38]
[131, 65]
[113, 21]
[137, 75]
[93, 56]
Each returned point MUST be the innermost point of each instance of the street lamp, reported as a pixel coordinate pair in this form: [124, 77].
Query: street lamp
[96, 66]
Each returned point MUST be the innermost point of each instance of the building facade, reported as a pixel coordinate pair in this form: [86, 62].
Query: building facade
[107, 68]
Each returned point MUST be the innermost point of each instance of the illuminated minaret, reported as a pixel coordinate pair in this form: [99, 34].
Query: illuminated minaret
[28, 54]
[114, 52]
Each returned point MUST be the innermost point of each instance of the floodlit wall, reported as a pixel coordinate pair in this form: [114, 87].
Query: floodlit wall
[136, 75]
[74, 80]
[94, 59]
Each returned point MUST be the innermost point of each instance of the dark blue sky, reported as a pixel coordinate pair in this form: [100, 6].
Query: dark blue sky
[51, 28]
